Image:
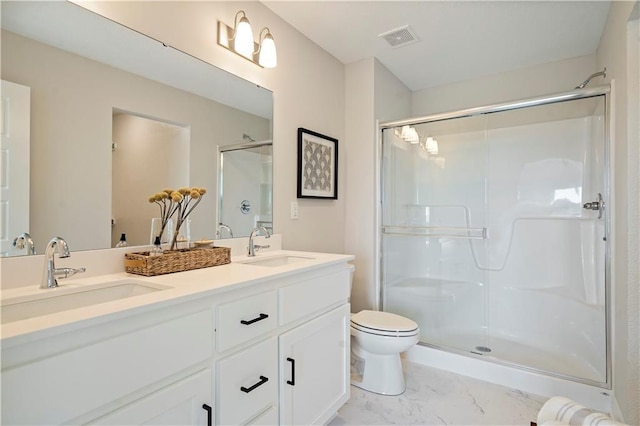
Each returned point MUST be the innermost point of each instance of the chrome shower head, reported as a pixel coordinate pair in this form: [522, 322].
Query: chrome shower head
[595, 74]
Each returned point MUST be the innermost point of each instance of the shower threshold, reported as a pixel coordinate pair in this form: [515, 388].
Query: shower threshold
[491, 370]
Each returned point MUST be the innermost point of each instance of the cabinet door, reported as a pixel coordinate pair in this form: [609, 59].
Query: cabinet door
[314, 369]
[62, 387]
[178, 404]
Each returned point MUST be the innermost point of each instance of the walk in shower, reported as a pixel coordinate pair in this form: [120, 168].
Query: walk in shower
[494, 232]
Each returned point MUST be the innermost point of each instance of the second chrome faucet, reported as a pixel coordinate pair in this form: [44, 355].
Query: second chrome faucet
[51, 273]
[252, 248]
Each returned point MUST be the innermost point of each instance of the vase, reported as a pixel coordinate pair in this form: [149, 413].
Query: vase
[167, 234]
[183, 240]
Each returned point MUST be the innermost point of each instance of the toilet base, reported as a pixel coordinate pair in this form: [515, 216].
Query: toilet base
[385, 373]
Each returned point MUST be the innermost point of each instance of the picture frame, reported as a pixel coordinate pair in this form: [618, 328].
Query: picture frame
[317, 165]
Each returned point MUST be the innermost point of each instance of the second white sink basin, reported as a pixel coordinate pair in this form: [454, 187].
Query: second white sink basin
[49, 301]
[277, 260]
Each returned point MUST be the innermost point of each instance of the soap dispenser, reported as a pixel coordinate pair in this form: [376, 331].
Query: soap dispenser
[156, 250]
[122, 242]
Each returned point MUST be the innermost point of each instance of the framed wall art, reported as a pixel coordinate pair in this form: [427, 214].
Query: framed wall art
[317, 165]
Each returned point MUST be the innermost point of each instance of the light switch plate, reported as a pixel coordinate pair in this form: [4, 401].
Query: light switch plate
[294, 210]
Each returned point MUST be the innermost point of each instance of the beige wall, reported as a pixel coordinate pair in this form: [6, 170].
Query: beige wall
[613, 54]
[308, 86]
[72, 101]
[372, 93]
[360, 204]
[165, 148]
[528, 82]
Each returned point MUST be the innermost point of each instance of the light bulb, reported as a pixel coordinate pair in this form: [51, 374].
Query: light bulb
[243, 39]
[268, 57]
[431, 145]
[412, 136]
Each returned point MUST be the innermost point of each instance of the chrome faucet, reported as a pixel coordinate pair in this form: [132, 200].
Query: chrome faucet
[251, 250]
[50, 274]
[223, 226]
[24, 240]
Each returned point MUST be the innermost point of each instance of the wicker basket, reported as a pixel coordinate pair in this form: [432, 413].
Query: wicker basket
[175, 260]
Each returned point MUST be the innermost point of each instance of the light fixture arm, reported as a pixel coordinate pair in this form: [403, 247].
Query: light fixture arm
[237, 21]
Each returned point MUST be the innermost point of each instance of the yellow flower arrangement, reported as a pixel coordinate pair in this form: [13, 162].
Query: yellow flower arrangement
[181, 202]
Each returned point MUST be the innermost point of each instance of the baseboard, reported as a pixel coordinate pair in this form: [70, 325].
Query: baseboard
[616, 412]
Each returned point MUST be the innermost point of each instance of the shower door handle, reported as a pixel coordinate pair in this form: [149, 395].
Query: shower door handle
[595, 205]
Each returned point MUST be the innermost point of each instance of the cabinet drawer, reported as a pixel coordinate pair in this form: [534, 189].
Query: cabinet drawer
[245, 319]
[307, 297]
[247, 383]
[94, 375]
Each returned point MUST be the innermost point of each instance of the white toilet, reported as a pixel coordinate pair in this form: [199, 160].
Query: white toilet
[377, 339]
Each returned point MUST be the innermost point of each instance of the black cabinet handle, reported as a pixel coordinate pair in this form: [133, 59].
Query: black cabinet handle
[259, 318]
[292, 382]
[209, 414]
[262, 381]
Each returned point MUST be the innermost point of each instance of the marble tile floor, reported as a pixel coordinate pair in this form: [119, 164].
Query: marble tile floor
[438, 397]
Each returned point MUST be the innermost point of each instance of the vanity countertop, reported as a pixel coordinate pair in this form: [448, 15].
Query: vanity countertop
[183, 287]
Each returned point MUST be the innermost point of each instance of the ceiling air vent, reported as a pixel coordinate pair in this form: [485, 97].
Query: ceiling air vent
[400, 36]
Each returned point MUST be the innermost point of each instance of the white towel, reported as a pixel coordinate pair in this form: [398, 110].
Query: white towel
[568, 412]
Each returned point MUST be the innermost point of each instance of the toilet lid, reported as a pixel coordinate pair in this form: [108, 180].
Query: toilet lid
[383, 321]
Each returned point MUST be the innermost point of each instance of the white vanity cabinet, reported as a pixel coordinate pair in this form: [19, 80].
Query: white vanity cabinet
[297, 372]
[271, 351]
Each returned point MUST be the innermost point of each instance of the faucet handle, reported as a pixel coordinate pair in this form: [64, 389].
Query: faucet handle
[68, 272]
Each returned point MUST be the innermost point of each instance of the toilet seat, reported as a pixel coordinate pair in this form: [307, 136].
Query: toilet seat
[384, 324]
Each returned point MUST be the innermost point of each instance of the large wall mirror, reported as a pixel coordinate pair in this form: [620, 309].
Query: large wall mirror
[114, 117]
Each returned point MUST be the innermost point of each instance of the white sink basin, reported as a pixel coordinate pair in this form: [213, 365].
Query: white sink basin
[49, 301]
[277, 260]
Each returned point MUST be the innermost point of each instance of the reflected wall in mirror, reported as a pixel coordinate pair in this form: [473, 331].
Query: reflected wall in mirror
[99, 94]
[245, 188]
[165, 150]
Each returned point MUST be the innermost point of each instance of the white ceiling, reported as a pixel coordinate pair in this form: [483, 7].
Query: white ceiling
[459, 40]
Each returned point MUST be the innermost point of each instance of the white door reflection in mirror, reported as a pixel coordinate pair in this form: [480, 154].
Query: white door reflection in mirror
[14, 164]
[148, 155]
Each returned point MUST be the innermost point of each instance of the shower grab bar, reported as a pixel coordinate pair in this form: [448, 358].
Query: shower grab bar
[436, 231]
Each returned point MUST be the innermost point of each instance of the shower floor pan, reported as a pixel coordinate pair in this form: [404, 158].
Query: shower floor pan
[519, 353]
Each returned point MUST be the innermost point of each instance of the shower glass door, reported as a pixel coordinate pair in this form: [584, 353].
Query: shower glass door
[493, 235]
[430, 232]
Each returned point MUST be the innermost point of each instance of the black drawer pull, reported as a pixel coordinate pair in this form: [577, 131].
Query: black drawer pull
[209, 416]
[260, 318]
[292, 382]
[262, 381]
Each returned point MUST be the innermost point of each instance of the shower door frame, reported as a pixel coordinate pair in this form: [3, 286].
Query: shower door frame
[576, 94]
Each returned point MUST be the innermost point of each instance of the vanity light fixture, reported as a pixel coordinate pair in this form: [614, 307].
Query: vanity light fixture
[240, 40]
